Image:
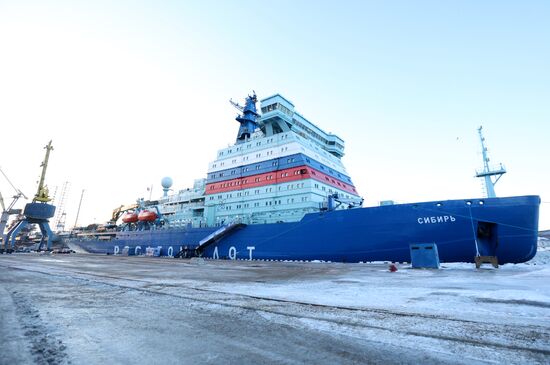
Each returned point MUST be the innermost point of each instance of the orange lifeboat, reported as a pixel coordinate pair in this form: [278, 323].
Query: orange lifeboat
[147, 216]
[129, 217]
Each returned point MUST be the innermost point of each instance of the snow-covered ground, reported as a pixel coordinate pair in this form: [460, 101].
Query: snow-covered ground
[543, 253]
[63, 309]
[513, 293]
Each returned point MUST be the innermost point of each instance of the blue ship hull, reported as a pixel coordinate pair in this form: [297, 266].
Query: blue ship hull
[502, 227]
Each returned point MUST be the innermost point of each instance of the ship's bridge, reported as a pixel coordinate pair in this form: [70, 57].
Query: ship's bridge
[278, 116]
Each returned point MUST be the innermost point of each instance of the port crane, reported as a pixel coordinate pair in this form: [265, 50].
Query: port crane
[37, 212]
[117, 212]
[61, 215]
[6, 212]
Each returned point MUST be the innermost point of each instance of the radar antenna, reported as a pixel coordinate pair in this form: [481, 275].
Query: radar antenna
[248, 119]
[236, 105]
[487, 171]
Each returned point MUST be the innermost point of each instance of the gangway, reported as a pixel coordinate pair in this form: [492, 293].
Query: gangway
[218, 234]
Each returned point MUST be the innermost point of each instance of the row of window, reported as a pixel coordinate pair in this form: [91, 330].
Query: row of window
[257, 191]
[310, 131]
[270, 153]
[317, 136]
[275, 106]
[245, 158]
[276, 162]
[257, 167]
[249, 145]
[334, 181]
[280, 188]
[240, 182]
[266, 203]
[270, 177]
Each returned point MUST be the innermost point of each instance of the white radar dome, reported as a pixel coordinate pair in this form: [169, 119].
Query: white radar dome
[166, 182]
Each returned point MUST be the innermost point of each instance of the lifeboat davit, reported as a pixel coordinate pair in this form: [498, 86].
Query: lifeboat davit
[147, 216]
[129, 217]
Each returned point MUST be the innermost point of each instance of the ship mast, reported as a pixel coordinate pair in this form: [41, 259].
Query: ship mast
[248, 119]
[487, 172]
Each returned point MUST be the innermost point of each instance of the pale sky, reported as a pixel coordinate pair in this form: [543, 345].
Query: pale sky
[131, 92]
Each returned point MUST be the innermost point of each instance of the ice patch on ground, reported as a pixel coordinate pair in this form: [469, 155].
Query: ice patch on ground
[543, 253]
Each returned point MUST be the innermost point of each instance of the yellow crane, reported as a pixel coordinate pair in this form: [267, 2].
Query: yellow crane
[42, 192]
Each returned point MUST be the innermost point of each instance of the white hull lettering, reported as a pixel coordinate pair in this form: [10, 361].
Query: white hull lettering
[215, 255]
[436, 219]
[232, 253]
[116, 250]
[137, 250]
[250, 249]
[170, 251]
